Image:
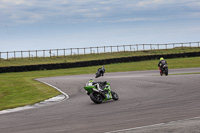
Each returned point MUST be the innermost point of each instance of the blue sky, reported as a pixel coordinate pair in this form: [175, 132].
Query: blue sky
[55, 24]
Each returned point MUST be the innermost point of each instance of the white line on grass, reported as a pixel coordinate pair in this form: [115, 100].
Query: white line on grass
[49, 101]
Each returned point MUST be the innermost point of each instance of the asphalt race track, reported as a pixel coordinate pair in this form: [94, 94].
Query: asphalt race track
[144, 99]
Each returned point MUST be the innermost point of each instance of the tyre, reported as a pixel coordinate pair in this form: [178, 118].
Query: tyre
[97, 75]
[102, 74]
[96, 97]
[166, 72]
[114, 96]
[161, 73]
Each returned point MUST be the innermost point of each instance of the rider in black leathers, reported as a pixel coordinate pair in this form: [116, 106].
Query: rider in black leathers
[100, 72]
[161, 63]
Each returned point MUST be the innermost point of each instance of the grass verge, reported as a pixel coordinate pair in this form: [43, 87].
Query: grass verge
[19, 89]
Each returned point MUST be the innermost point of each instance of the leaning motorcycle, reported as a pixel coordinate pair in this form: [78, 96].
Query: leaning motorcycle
[100, 72]
[96, 95]
[164, 70]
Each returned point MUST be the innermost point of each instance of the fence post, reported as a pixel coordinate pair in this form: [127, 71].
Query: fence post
[64, 52]
[166, 46]
[158, 46]
[151, 46]
[29, 54]
[14, 55]
[36, 53]
[111, 49]
[130, 48]
[97, 50]
[90, 50]
[78, 51]
[84, 51]
[143, 46]
[21, 54]
[43, 53]
[7, 55]
[104, 49]
[50, 53]
[124, 48]
[117, 48]
[71, 51]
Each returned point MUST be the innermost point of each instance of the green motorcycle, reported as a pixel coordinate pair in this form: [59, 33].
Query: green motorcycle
[100, 91]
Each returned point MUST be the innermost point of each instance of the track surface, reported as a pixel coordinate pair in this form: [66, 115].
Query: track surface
[144, 100]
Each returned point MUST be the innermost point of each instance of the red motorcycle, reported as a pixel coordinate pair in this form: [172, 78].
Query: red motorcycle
[163, 70]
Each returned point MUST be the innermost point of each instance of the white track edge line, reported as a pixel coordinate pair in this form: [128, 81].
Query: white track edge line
[154, 125]
[54, 88]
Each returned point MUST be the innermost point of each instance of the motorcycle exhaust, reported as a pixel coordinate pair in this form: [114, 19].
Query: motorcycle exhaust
[96, 90]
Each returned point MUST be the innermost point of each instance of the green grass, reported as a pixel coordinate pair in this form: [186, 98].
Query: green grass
[87, 57]
[19, 89]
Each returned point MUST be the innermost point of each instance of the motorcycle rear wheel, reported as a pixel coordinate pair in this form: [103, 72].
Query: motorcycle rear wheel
[96, 97]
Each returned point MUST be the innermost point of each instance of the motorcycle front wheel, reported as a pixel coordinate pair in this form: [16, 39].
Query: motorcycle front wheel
[161, 74]
[97, 75]
[114, 96]
[96, 97]
[166, 72]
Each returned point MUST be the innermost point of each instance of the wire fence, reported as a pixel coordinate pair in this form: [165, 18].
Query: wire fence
[91, 50]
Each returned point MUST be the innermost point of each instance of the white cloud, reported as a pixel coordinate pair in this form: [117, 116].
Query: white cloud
[26, 18]
[194, 4]
[33, 11]
[152, 2]
[130, 20]
[17, 2]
